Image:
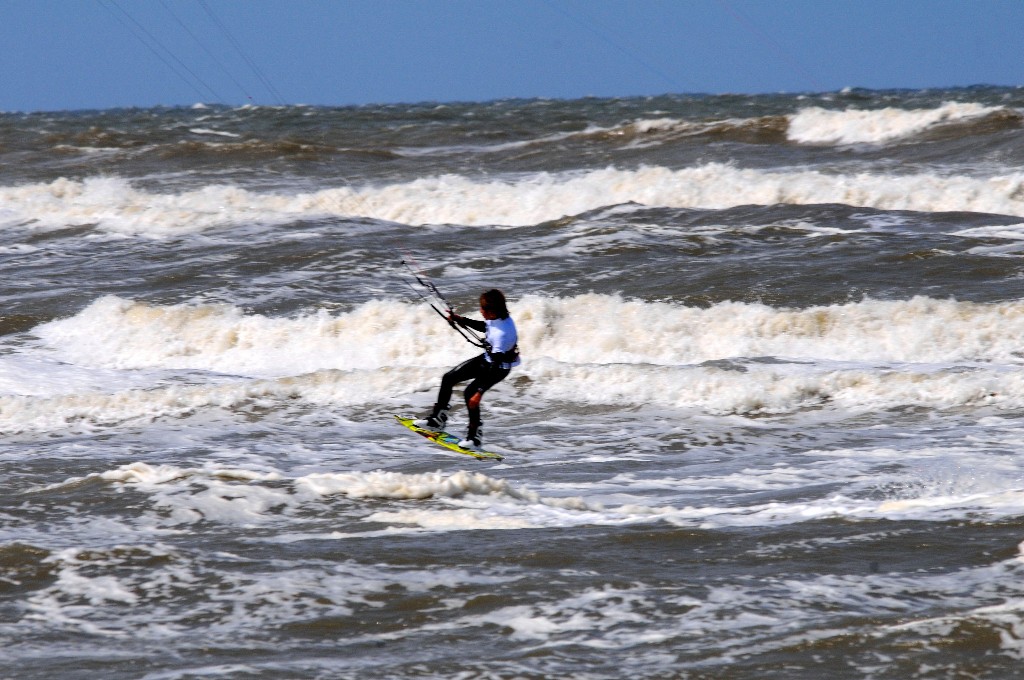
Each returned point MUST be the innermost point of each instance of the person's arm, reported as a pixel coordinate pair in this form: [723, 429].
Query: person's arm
[478, 326]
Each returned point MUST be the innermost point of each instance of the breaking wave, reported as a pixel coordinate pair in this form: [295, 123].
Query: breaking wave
[112, 204]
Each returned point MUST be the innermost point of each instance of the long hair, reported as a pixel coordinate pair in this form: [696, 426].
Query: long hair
[494, 302]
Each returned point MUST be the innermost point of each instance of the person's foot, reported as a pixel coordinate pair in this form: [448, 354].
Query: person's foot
[474, 438]
[435, 421]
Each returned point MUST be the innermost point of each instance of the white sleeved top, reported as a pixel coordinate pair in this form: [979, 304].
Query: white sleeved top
[501, 336]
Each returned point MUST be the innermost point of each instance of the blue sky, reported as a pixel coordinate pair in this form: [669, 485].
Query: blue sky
[87, 54]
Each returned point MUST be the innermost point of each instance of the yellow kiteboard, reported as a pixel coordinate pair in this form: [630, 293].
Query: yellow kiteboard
[448, 441]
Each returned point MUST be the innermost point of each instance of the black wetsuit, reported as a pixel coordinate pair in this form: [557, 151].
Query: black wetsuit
[485, 370]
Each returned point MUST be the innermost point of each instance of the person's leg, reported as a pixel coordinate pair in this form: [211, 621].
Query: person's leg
[474, 393]
[467, 370]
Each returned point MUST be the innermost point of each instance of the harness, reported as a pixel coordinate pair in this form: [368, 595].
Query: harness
[508, 357]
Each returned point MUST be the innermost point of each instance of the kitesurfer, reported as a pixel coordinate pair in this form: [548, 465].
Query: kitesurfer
[501, 354]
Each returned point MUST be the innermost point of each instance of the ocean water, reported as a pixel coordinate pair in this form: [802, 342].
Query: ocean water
[769, 422]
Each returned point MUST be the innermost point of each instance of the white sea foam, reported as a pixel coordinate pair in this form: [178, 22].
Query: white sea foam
[711, 390]
[607, 329]
[86, 580]
[243, 496]
[89, 409]
[588, 329]
[114, 205]
[770, 614]
[41, 375]
[1013, 234]
[122, 334]
[109, 362]
[208, 131]
[461, 500]
[816, 125]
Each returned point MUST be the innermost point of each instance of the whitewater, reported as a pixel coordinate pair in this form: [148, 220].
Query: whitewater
[769, 419]
[114, 206]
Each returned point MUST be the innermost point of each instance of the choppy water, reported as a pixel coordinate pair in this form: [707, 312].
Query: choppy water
[769, 422]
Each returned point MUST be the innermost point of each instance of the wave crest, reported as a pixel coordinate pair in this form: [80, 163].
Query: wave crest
[112, 204]
[818, 126]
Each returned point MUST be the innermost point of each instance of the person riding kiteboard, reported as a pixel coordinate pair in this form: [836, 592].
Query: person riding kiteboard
[501, 355]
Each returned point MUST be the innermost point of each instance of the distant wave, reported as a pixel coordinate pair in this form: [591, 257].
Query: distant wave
[634, 134]
[651, 132]
[820, 126]
[113, 204]
[258, 149]
[813, 126]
